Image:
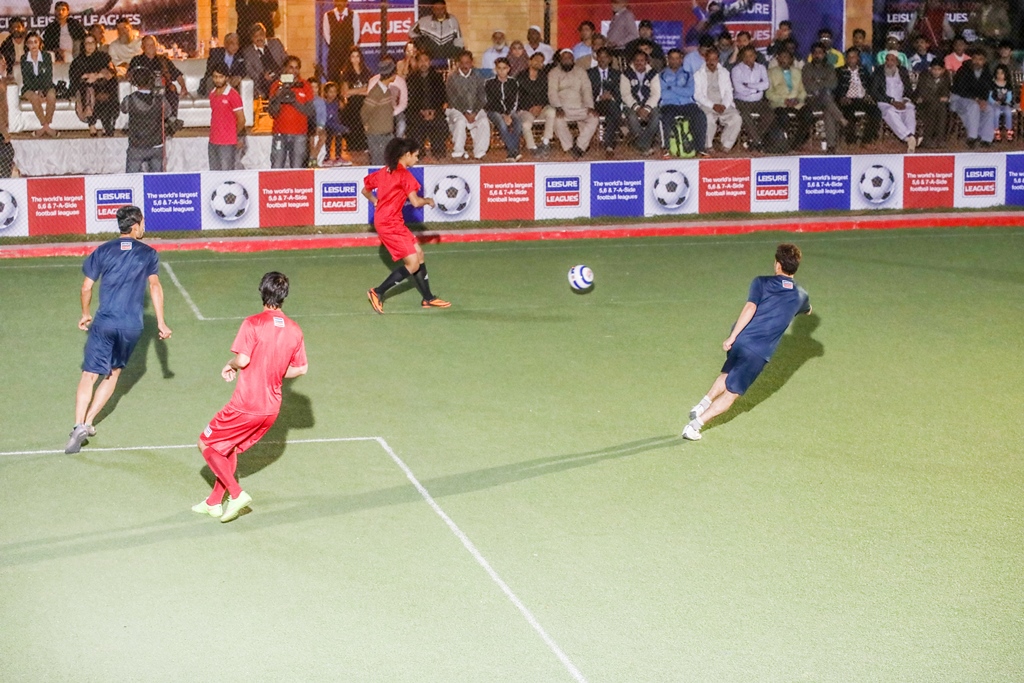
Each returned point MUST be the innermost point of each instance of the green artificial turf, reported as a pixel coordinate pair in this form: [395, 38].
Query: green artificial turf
[856, 517]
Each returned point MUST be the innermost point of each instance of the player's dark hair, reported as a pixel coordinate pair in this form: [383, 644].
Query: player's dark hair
[127, 218]
[274, 289]
[788, 256]
[398, 148]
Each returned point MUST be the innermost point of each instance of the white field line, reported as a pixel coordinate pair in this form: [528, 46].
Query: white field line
[452, 526]
[184, 292]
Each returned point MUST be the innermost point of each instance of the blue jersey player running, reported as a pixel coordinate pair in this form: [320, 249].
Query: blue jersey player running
[773, 302]
[123, 267]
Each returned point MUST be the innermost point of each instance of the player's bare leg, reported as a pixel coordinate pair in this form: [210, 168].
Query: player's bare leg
[717, 401]
[84, 395]
[84, 414]
[104, 391]
[714, 392]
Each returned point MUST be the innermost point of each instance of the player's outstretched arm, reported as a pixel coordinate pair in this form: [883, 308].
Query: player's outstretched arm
[86, 294]
[746, 315]
[230, 371]
[418, 201]
[156, 293]
[296, 371]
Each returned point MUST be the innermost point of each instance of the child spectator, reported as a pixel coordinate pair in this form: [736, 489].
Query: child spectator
[932, 98]
[1000, 97]
[329, 127]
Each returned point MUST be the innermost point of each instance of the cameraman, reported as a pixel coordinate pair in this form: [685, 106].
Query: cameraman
[291, 106]
[145, 111]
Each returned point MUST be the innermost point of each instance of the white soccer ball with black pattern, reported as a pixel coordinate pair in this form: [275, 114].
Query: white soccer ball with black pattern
[581, 278]
[8, 209]
[877, 184]
[671, 189]
[452, 195]
[230, 200]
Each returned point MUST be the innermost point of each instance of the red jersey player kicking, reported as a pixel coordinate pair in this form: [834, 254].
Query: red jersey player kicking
[394, 185]
[268, 349]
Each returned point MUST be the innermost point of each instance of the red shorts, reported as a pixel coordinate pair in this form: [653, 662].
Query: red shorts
[397, 240]
[230, 430]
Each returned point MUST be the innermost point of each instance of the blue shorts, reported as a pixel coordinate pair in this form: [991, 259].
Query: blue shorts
[742, 367]
[108, 348]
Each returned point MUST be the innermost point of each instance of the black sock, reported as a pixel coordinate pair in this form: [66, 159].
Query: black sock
[422, 281]
[396, 276]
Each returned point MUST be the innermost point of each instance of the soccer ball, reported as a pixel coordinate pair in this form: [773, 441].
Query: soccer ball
[877, 184]
[581, 278]
[230, 200]
[452, 195]
[8, 209]
[671, 189]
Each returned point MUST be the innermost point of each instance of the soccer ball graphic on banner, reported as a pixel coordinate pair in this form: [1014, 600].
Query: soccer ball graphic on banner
[581, 278]
[8, 209]
[230, 200]
[877, 184]
[452, 195]
[671, 189]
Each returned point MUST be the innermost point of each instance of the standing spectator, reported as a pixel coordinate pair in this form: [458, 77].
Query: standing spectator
[533, 45]
[726, 49]
[605, 83]
[693, 61]
[534, 105]
[749, 83]
[892, 44]
[99, 32]
[37, 83]
[400, 89]
[145, 111]
[932, 99]
[820, 81]
[645, 42]
[570, 94]
[622, 29]
[990, 21]
[338, 31]
[713, 92]
[228, 57]
[439, 31]
[921, 58]
[743, 40]
[291, 105]
[333, 129]
[378, 111]
[860, 43]
[127, 45]
[6, 148]
[227, 121]
[355, 81]
[407, 64]
[497, 49]
[787, 96]
[253, 12]
[891, 89]
[783, 34]
[503, 106]
[931, 21]
[584, 48]
[835, 57]
[263, 58]
[854, 80]
[677, 99]
[93, 84]
[640, 89]
[969, 99]
[956, 58]
[426, 107]
[1004, 56]
[518, 60]
[63, 37]
[466, 101]
[167, 76]
[1000, 98]
[13, 46]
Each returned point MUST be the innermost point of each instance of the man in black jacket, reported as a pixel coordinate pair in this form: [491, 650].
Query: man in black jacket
[891, 89]
[852, 96]
[64, 36]
[230, 58]
[166, 76]
[502, 107]
[605, 82]
[425, 112]
[534, 105]
[145, 111]
[969, 100]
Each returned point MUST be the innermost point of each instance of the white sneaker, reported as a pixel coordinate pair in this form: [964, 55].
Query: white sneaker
[691, 434]
[204, 508]
[697, 411]
[236, 505]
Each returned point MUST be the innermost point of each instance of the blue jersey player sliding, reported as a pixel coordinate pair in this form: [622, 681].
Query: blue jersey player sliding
[773, 302]
[123, 267]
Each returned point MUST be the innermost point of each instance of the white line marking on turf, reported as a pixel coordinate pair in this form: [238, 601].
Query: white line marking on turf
[452, 526]
[184, 292]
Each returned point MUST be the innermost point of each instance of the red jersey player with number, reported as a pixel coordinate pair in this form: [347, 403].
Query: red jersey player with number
[394, 184]
[268, 349]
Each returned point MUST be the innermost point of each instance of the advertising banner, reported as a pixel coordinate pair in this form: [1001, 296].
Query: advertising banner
[366, 29]
[824, 183]
[105, 194]
[616, 189]
[171, 201]
[894, 16]
[1014, 180]
[928, 182]
[671, 187]
[877, 182]
[339, 196]
[724, 185]
[230, 199]
[455, 190]
[980, 180]
[13, 208]
[56, 206]
[507, 192]
[286, 198]
[775, 184]
[562, 191]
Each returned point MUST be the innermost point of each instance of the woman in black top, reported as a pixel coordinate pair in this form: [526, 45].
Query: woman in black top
[94, 87]
[354, 79]
[37, 83]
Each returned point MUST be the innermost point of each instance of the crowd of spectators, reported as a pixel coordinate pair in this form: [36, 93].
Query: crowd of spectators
[604, 91]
